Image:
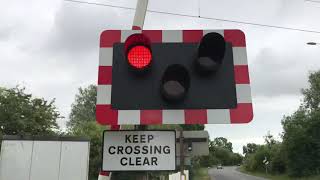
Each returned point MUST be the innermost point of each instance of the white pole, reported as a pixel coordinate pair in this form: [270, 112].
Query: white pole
[138, 23]
[140, 14]
[104, 176]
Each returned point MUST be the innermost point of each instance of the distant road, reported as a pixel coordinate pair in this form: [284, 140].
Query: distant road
[230, 173]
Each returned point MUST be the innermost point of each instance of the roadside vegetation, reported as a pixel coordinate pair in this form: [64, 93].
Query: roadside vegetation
[200, 174]
[23, 114]
[278, 176]
[298, 154]
[220, 152]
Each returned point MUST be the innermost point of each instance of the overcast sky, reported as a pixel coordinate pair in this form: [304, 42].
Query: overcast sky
[51, 47]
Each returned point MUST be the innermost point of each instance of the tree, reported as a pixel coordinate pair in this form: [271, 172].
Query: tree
[94, 131]
[237, 158]
[272, 151]
[254, 161]
[22, 114]
[84, 107]
[220, 152]
[312, 94]
[192, 127]
[221, 142]
[278, 161]
[82, 122]
[301, 137]
[250, 148]
[301, 142]
[299, 152]
[223, 155]
[269, 140]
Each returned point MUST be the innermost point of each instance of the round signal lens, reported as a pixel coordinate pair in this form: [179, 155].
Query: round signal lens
[139, 57]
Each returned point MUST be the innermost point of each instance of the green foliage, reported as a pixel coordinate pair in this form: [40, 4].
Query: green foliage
[250, 148]
[94, 132]
[299, 153]
[221, 142]
[84, 107]
[276, 153]
[199, 174]
[278, 162]
[193, 127]
[271, 151]
[301, 137]
[277, 176]
[269, 140]
[236, 159]
[312, 94]
[301, 142]
[220, 152]
[22, 114]
[82, 123]
[255, 161]
[223, 155]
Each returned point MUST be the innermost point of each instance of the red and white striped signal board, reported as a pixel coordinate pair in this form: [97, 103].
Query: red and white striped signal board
[106, 115]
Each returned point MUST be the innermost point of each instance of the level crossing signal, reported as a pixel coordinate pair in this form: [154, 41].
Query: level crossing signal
[173, 77]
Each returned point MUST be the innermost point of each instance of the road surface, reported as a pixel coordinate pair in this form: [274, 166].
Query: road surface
[230, 173]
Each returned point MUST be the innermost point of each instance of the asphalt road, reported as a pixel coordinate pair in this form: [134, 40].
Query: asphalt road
[230, 173]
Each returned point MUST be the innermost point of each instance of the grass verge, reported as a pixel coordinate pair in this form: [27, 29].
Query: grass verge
[201, 174]
[276, 177]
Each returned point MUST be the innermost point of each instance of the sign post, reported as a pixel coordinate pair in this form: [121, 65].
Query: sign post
[139, 150]
[266, 162]
[181, 154]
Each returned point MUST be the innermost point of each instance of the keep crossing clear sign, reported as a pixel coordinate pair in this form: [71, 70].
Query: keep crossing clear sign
[139, 150]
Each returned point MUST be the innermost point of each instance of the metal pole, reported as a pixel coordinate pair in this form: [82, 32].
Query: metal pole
[138, 22]
[181, 154]
[140, 14]
[266, 168]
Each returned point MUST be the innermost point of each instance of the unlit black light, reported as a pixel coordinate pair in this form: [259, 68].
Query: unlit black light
[211, 53]
[175, 83]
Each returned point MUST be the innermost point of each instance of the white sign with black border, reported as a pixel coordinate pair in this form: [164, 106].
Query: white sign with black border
[139, 150]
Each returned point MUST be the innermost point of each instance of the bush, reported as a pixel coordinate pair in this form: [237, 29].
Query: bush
[302, 143]
[278, 161]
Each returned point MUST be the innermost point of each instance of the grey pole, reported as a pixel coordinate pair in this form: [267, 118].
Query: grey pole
[140, 14]
[138, 22]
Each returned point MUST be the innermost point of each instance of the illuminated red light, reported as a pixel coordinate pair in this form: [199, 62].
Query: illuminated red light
[139, 57]
[138, 51]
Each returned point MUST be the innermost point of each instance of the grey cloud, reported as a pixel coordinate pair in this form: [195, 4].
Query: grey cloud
[5, 33]
[77, 27]
[177, 6]
[276, 73]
